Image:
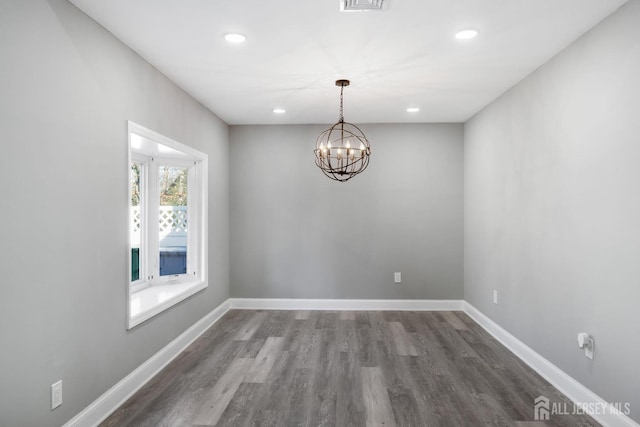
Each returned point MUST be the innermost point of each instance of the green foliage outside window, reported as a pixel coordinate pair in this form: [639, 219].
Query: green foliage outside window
[173, 186]
[135, 184]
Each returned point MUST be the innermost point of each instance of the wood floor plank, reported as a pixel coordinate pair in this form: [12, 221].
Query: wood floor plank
[454, 320]
[430, 351]
[274, 325]
[350, 409]
[362, 319]
[327, 320]
[405, 317]
[251, 347]
[241, 408]
[216, 401]
[250, 327]
[346, 335]
[405, 408]
[492, 410]
[302, 314]
[325, 391]
[269, 353]
[234, 320]
[376, 398]
[403, 344]
[308, 348]
[347, 315]
[449, 339]
[276, 395]
[436, 392]
[300, 397]
[297, 329]
[408, 407]
[366, 345]
[379, 326]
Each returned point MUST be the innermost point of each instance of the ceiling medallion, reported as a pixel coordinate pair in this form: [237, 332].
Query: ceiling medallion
[342, 151]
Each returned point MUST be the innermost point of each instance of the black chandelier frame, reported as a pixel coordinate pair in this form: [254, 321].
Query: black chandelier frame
[342, 151]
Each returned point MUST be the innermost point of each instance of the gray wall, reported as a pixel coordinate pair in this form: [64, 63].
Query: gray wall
[67, 89]
[298, 234]
[552, 208]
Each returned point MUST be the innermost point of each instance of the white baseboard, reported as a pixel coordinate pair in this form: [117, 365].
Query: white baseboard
[102, 407]
[345, 304]
[558, 378]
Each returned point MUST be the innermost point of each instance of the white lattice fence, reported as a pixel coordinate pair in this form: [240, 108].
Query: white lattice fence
[135, 213]
[173, 219]
[172, 225]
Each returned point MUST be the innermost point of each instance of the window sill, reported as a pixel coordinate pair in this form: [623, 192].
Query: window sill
[147, 302]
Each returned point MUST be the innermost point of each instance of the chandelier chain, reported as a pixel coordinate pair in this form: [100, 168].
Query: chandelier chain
[341, 110]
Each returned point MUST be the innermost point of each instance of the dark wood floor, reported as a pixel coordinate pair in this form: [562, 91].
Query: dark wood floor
[312, 368]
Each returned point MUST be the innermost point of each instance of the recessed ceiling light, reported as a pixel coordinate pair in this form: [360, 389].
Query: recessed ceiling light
[235, 38]
[466, 34]
[279, 110]
[413, 109]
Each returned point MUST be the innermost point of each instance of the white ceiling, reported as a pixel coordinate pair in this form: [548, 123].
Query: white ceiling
[403, 56]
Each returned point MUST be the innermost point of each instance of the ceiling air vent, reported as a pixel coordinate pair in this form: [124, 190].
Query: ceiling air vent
[362, 5]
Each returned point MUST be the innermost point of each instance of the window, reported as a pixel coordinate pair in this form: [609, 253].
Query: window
[167, 223]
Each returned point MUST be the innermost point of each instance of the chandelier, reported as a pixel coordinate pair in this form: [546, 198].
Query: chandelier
[342, 151]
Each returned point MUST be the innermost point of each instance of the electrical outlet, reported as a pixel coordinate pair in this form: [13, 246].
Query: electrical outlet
[495, 296]
[56, 394]
[397, 277]
[588, 349]
[586, 342]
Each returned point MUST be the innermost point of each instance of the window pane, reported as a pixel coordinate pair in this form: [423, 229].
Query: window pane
[173, 219]
[134, 227]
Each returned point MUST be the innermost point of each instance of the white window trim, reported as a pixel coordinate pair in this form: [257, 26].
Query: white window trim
[147, 298]
[140, 283]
